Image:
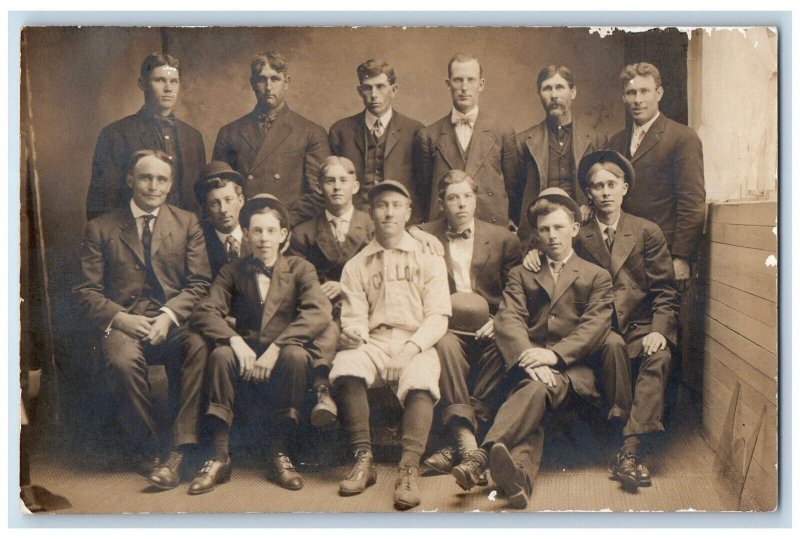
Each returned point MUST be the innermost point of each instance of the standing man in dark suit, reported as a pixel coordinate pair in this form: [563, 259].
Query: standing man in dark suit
[279, 310]
[153, 127]
[144, 268]
[470, 140]
[479, 257]
[275, 149]
[220, 192]
[552, 149]
[550, 327]
[379, 140]
[667, 158]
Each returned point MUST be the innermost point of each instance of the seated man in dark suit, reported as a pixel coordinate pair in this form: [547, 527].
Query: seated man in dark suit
[275, 149]
[220, 192]
[646, 301]
[153, 126]
[378, 140]
[479, 256]
[144, 268]
[550, 327]
[279, 310]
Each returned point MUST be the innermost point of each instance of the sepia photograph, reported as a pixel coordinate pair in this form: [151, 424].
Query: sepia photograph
[362, 269]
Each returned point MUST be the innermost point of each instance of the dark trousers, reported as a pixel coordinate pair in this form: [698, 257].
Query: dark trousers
[323, 347]
[285, 389]
[464, 380]
[184, 354]
[651, 377]
[613, 372]
[518, 423]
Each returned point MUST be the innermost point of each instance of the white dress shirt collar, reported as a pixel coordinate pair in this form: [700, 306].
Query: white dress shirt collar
[237, 233]
[369, 119]
[471, 116]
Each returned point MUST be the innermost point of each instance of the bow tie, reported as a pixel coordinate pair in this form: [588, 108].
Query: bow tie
[267, 117]
[168, 121]
[464, 234]
[257, 266]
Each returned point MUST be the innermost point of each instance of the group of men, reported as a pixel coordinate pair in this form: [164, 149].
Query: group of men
[389, 254]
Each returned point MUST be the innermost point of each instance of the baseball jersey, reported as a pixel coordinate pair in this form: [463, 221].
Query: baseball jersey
[397, 287]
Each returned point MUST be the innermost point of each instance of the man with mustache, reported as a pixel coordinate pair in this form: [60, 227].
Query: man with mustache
[471, 140]
[153, 127]
[551, 149]
[378, 140]
[275, 149]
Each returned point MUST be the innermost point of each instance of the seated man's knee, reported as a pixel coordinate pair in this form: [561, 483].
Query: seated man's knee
[294, 357]
[614, 342]
[222, 358]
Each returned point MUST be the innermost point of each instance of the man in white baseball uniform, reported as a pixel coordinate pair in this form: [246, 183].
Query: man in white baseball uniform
[395, 307]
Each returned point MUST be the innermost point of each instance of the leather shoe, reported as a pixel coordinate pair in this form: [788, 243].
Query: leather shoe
[644, 475]
[469, 472]
[623, 469]
[284, 473]
[169, 475]
[406, 489]
[361, 476]
[509, 477]
[325, 411]
[442, 460]
[211, 474]
[145, 465]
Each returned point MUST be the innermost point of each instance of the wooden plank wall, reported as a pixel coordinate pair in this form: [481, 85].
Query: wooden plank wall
[741, 335]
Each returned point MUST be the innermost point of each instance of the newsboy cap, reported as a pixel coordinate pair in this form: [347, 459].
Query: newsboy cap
[604, 156]
[215, 169]
[262, 200]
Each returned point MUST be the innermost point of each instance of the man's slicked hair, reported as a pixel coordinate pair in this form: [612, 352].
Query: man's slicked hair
[333, 160]
[461, 58]
[155, 60]
[158, 154]
[273, 59]
[373, 68]
[455, 176]
[641, 69]
[551, 71]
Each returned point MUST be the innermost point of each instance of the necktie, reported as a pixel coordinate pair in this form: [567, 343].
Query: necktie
[265, 120]
[556, 267]
[259, 267]
[338, 229]
[147, 238]
[610, 232]
[636, 140]
[464, 234]
[463, 132]
[377, 130]
[232, 245]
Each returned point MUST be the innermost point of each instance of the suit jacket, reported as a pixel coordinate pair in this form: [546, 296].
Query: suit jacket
[669, 189]
[495, 251]
[535, 157]
[491, 160]
[571, 318]
[118, 141]
[113, 268]
[645, 294]
[284, 162]
[348, 138]
[295, 310]
[314, 241]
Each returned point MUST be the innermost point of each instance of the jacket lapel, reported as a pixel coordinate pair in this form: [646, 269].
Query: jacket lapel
[146, 133]
[650, 139]
[129, 235]
[164, 224]
[393, 136]
[593, 242]
[568, 275]
[480, 250]
[479, 145]
[274, 138]
[448, 145]
[250, 132]
[325, 240]
[545, 280]
[624, 242]
[360, 133]
[278, 287]
[537, 145]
